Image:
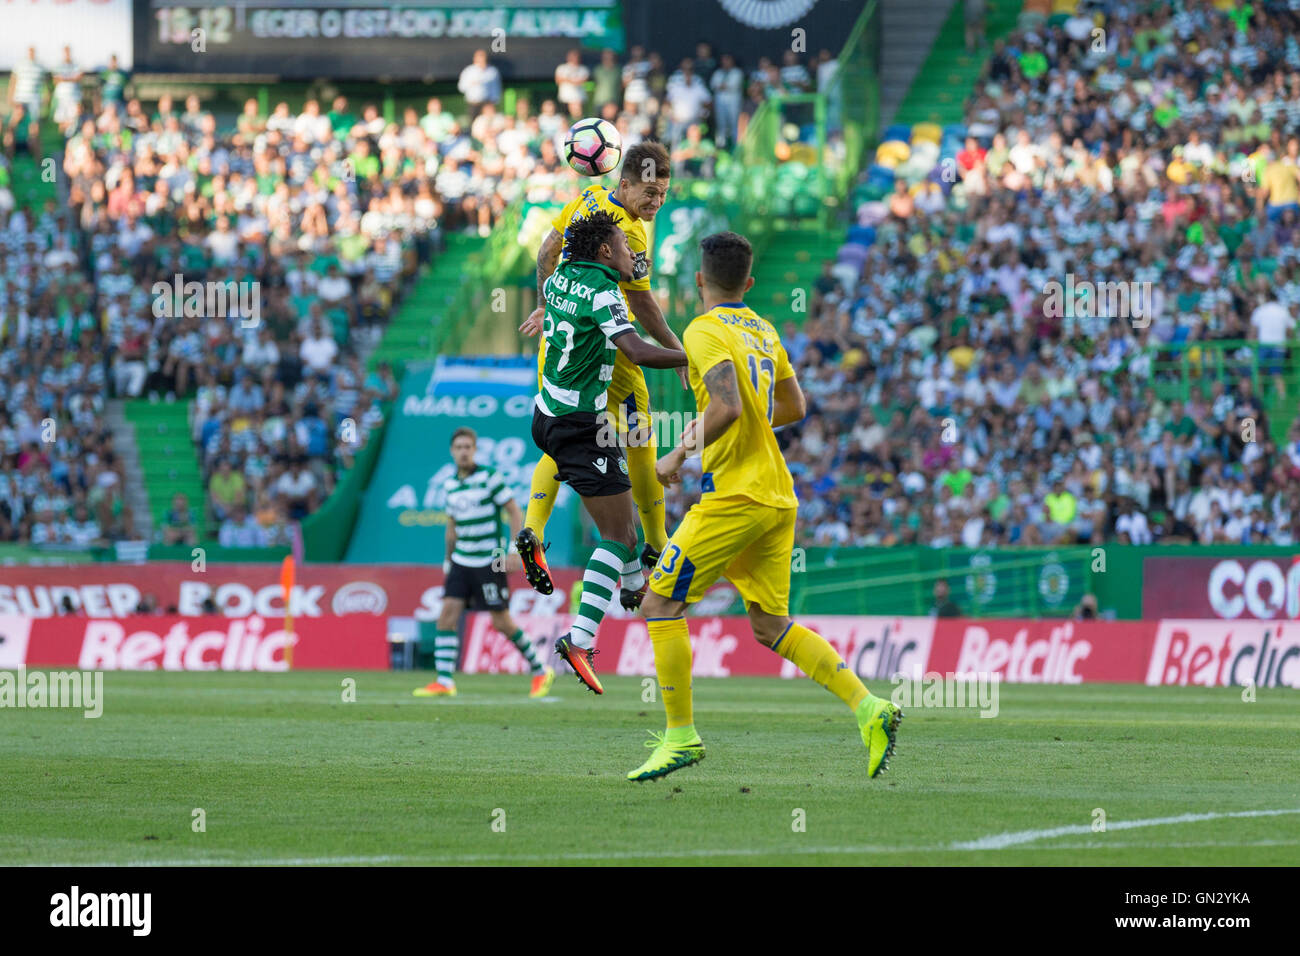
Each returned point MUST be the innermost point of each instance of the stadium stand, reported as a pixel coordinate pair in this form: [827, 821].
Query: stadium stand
[952, 405]
[328, 235]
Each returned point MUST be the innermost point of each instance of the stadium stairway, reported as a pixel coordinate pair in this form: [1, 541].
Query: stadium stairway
[128, 451]
[169, 459]
[408, 334]
[791, 263]
[939, 92]
[909, 28]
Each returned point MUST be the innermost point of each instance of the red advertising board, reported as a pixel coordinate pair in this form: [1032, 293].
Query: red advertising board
[878, 648]
[1222, 653]
[1043, 652]
[1258, 588]
[193, 643]
[1237, 624]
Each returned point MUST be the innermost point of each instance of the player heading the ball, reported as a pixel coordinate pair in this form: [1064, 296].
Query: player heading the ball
[586, 326]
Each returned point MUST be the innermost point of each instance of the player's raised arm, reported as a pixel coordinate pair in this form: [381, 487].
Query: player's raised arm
[723, 411]
[548, 257]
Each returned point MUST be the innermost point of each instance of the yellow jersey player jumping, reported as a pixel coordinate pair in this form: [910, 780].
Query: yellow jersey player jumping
[642, 188]
[743, 525]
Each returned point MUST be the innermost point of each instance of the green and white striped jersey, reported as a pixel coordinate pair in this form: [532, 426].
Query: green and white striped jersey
[473, 504]
[28, 82]
[585, 312]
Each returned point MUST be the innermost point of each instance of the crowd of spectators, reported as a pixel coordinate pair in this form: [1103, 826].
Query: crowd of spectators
[955, 401]
[698, 107]
[302, 228]
[61, 478]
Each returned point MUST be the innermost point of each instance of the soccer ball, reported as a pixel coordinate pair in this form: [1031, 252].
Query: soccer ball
[593, 147]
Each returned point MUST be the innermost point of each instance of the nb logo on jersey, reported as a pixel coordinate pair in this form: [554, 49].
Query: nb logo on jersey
[601, 464]
[539, 496]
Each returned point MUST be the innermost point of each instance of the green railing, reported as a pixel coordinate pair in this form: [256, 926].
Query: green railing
[1178, 372]
[1004, 583]
[852, 103]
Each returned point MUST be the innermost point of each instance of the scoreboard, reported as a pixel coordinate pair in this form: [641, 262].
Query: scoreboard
[363, 39]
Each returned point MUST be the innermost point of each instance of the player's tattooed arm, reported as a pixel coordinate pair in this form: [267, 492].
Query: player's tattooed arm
[548, 257]
[721, 413]
[723, 388]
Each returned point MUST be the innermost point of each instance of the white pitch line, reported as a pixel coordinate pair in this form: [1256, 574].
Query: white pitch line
[1203, 844]
[1000, 841]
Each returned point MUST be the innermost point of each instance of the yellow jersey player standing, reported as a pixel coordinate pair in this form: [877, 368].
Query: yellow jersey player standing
[641, 191]
[743, 525]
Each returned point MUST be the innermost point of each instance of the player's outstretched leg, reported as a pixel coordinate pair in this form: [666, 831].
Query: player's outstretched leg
[679, 745]
[648, 494]
[533, 556]
[541, 502]
[541, 496]
[599, 580]
[633, 584]
[542, 675]
[877, 718]
[630, 400]
[446, 648]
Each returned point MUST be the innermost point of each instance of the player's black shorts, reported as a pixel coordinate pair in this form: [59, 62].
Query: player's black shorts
[482, 589]
[590, 469]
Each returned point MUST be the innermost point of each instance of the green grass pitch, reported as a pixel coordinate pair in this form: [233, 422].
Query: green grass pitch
[285, 771]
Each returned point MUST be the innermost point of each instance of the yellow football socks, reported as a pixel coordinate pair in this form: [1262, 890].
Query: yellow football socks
[672, 646]
[541, 497]
[647, 493]
[813, 654]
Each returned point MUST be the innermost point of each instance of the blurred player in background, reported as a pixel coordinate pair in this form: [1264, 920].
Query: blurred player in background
[641, 191]
[742, 528]
[587, 328]
[476, 575]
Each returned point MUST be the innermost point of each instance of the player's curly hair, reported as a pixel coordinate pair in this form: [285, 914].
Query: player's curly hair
[584, 237]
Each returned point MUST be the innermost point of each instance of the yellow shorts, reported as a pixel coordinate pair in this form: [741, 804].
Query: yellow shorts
[748, 543]
[627, 391]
